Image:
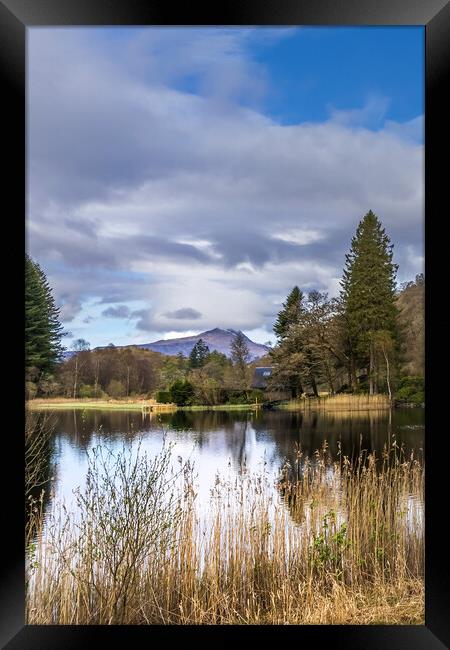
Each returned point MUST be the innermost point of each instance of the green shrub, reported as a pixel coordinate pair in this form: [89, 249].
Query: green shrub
[47, 386]
[181, 393]
[411, 389]
[256, 394]
[163, 397]
[86, 390]
[418, 398]
[345, 389]
[237, 397]
[116, 388]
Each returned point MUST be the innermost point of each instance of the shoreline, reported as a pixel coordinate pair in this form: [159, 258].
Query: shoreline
[375, 403]
[138, 405]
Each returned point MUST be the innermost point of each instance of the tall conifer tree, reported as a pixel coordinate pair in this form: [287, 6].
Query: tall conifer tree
[368, 294]
[43, 330]
[288, 354]
[290, 314]
[198, 355]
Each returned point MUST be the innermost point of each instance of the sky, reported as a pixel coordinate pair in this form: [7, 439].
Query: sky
[182, 179]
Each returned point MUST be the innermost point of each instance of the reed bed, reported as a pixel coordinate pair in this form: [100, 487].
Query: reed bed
[340, 541]
[54, 404]
[337, 402]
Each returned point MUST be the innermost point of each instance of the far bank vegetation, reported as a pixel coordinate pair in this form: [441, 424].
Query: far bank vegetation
[367, 341]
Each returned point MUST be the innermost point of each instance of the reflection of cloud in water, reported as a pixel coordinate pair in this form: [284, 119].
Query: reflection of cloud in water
[220, 442]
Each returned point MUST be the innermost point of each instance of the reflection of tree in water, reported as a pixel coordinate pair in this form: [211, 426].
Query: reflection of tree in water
[40, 467]
[354, 437]
[204, 426]
[79, 426]
[368, 430]
[239, 435]
[279, 429]
[309, 428]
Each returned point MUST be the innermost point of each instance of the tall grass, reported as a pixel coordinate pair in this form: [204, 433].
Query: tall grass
[339, 541]
[125, 404]
[337, 402]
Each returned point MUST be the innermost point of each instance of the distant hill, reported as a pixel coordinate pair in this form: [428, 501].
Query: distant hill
[216, 339]
[411, 321]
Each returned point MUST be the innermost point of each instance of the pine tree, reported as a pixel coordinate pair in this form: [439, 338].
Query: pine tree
[290, 314]
[199, 354]
[43, 331]
[368, 294]
[288, 355]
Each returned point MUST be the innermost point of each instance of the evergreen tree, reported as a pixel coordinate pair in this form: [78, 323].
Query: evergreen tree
[199, 354]
[219, 358]
[288, 355]
[181, 393]
[43, 331]
[290, 314]
[368, 294]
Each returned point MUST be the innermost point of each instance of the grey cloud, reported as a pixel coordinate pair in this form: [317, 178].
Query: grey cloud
[159, 247]
[121, 311]
[69, 309]
[186, 313]
[108, 298]
[145, 321]
[73, 285]
[130, 177]
[150, 321]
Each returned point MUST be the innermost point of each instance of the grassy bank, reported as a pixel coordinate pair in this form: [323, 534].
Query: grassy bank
[340, 402]
[342, 544]
[101, 404]
[220, 407]
[124, 405]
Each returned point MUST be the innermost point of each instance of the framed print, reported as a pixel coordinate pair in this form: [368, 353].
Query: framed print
[230, 216]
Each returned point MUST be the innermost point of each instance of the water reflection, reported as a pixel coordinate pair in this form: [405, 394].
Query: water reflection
[309, 428]
[225, 441]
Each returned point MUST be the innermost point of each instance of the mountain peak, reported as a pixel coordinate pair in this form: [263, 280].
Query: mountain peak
[218, 339]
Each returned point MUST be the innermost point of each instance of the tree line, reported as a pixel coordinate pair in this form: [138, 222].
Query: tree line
[356, 342]
[205, 377]
[368, 339]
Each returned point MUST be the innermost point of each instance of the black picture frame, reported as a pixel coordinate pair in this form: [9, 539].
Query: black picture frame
[15, 17]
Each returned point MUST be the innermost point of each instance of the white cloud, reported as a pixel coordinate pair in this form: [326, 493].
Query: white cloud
[299, 237]
[413, 130]
[371, 114]
[141, 190]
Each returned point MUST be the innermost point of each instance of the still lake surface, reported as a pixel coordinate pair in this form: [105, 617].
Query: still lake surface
[221, 442]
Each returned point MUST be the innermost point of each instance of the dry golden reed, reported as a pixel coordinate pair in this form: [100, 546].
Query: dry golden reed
[339, 542]
[343, 402]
